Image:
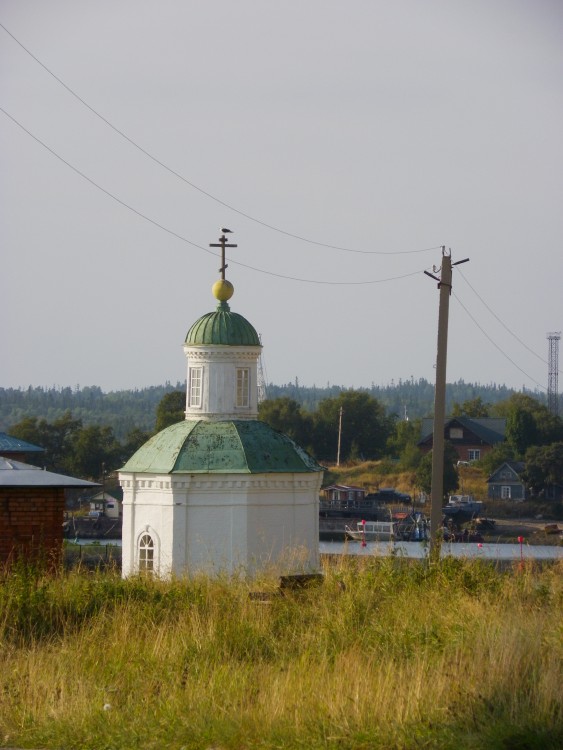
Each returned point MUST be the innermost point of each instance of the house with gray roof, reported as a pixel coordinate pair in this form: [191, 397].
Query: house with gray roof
[506, 483]
[472, 438]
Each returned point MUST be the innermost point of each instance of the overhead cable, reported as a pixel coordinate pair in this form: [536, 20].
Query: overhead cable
[506, 328]
[199, 189]
[185, 239]
[504, 354]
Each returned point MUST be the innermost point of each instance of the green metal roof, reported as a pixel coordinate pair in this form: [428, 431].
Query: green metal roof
[224, 447]
[222, 327]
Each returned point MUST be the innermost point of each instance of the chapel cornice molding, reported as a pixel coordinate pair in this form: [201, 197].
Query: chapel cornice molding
[225, 354]
[204, 483]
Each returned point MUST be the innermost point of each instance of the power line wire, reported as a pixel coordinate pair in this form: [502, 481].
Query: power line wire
[506, 328]
[185, 239]
[196, 187]
[504, 354]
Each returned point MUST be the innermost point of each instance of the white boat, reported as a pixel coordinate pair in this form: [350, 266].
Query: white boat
[465, 504]
[372, 531]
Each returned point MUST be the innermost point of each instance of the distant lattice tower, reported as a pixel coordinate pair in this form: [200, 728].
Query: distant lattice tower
[262, 392]
[553, 365]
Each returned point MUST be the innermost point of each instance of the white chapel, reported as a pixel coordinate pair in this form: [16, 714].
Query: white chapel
[221, 492]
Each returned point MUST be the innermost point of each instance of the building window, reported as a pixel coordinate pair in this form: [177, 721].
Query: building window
[474, 455]
[243, 387]
[505, 492]
[146, 553]
[456, 433]
[196, 377]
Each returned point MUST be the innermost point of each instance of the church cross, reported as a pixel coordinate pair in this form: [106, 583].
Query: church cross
[223, 244]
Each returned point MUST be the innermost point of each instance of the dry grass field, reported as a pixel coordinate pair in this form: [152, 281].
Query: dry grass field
[385, 653]
[375, 474]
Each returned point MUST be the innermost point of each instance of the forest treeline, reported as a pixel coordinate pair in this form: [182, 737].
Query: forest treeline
[128, 410]
[123, 411]
[346, 424]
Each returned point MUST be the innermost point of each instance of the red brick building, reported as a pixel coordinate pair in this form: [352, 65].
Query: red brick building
[32, 504]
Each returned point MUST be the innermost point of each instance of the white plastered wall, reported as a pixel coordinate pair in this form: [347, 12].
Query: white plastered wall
[229, 523]
[219, 365]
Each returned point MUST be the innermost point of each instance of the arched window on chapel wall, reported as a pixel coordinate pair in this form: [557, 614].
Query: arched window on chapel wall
[146, 553]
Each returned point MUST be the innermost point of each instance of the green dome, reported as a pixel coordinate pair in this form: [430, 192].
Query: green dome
[225, 447]
[222, 327]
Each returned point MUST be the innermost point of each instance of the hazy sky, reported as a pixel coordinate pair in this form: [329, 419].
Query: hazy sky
[385, 128]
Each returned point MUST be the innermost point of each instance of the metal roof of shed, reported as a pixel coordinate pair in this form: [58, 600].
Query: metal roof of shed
[18, 474]
[9, 444]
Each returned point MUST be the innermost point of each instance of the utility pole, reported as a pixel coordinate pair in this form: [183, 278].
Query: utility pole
[339, 436]
[103, 488]
[437, 489]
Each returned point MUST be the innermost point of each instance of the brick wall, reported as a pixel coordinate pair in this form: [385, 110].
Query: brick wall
[31, 522]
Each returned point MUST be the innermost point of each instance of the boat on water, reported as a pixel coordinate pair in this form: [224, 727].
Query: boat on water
[372, 531]
[405, 527]
[463, 505]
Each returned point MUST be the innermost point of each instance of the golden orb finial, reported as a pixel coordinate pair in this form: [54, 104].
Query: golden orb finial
[223, 290]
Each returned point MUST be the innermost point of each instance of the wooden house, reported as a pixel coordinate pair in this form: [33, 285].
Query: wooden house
[506, 483]
[343, 495]
[106, 504]
[472, 438]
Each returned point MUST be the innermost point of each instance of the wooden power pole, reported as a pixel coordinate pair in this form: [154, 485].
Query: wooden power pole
[339, 436]
[437, 490]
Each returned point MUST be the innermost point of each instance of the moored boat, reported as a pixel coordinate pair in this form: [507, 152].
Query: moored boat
[372, 531]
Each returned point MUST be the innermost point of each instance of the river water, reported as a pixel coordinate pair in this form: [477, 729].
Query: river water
[418, 550]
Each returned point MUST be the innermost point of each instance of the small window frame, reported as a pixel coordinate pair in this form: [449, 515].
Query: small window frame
[146, 550]
[242, 394]
[195, 387]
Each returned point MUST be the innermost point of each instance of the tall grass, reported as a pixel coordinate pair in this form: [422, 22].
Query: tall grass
[387, 653]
